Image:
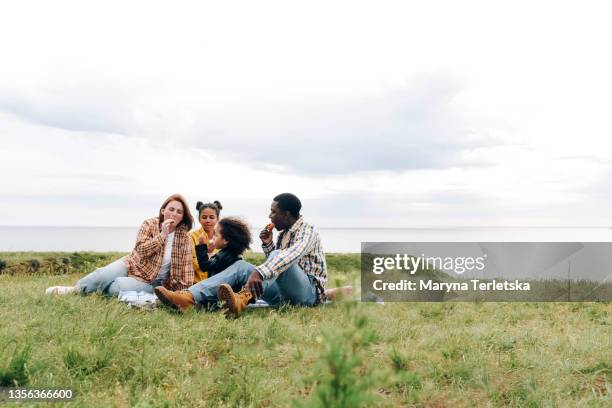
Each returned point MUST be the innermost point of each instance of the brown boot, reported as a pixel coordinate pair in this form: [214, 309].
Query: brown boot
[235, 303]
[181, 300]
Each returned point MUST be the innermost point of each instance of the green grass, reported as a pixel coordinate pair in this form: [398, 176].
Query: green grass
[344, 354]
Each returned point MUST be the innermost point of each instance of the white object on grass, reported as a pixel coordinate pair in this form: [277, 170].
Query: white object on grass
[258, 303]
[262, 303]
[139, 299]
[60, 290]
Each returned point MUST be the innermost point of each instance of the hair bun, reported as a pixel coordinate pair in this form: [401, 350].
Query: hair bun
[218, 204]
[199, 205]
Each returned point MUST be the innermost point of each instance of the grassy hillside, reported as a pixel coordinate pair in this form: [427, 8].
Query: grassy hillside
[397, 354]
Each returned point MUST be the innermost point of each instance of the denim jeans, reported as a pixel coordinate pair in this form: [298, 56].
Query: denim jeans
[110, 280]
[292, 286]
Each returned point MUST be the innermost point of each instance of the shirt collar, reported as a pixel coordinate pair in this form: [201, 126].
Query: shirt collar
[297, 225]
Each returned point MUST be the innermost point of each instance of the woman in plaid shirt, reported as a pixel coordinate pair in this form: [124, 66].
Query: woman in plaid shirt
[161, 257]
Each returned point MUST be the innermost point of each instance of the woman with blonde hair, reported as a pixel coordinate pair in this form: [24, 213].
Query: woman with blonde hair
[161, 257]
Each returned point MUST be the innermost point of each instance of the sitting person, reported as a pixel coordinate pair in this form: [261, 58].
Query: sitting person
[231, 238]
[208, 216]
[161, 256]
[294, 272]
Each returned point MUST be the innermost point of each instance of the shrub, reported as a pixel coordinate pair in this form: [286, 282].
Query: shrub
[15, 374]
[342, 383]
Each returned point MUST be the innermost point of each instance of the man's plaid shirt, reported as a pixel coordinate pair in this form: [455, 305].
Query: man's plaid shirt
[300, 243]
[146, 259]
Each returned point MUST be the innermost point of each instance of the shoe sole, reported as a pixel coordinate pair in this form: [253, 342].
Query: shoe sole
[225, 293]
[160, 295]
[60, 290]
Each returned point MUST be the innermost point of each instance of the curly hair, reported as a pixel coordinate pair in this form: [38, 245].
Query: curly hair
[237, 233]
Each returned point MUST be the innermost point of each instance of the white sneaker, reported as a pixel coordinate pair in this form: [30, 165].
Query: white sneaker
[60, 290]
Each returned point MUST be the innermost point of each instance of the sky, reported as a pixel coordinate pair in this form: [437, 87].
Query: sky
[375, 114]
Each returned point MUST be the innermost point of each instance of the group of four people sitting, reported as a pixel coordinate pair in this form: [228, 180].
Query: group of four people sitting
[205, 267]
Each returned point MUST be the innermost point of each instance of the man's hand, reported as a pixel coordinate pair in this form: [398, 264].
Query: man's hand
[202, 240]
[211, 246]
[266, 234]
[255, 284]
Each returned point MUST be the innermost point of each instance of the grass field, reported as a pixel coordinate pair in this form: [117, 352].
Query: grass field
[397, 354]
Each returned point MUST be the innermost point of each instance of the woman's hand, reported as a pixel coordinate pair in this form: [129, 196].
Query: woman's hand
[211, 246]
[202, 240]
[168, 227]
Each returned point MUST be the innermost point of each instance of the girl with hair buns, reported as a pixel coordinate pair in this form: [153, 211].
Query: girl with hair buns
[208, 216]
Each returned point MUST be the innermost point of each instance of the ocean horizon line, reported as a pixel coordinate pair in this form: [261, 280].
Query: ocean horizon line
[335, 239]
[350, 228]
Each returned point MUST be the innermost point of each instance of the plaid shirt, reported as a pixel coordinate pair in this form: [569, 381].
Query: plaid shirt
[300, 243]
[145, 261]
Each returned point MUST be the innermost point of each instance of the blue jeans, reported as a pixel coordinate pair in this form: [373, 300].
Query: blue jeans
[110, 280]
[292, 286]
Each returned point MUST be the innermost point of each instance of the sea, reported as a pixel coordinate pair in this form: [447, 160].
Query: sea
[121, 239]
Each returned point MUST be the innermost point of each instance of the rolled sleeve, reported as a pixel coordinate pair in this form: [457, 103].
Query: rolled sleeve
[267, 248]
[282, 260]
[148, 244]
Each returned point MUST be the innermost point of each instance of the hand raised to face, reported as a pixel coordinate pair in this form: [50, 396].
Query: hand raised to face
[266, 234]
[172, 215]
[168, 226]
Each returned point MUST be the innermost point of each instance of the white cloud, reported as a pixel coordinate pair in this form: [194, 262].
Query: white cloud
[460, 113]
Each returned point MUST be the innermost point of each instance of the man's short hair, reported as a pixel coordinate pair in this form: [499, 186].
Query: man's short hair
[289, 202]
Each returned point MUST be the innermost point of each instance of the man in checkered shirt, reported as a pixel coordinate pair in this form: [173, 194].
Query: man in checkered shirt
[294, 272]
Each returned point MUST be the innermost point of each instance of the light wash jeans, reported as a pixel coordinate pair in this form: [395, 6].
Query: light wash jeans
[110, 280]
[292, 286]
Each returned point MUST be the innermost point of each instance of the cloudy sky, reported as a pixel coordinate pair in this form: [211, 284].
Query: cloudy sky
[392, 114]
